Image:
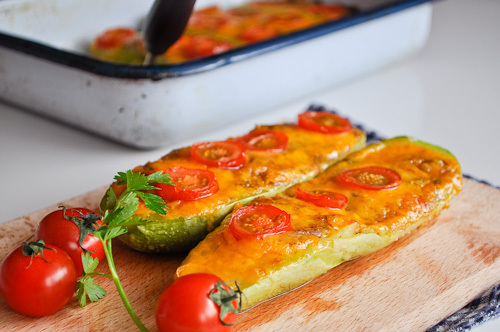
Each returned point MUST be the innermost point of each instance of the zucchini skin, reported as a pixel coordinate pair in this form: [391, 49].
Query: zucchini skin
[175, 235]
[185, 224]
[321, 238]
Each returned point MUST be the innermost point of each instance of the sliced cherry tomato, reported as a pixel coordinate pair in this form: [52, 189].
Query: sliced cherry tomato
[201, 46]
[221, 154]
[187, 305]
[190, 184]
[371, 178]
[328, 11]
[57, 230]
[37, 279]
[211, 18]
[332, 200]
[255, 33]
[259, 221]
[323, 122]
[264, 140]
[115, 37]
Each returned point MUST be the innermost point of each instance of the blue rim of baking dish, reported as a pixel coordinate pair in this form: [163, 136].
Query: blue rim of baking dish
[156, 72]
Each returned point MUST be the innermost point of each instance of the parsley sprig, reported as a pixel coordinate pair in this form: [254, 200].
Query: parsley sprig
[118, 214]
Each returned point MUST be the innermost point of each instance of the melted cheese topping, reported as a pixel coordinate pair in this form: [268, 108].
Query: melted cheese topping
[214, 30]
[429, 178]
[307, 154]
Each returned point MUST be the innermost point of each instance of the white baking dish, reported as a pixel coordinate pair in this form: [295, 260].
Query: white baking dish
[45, 67]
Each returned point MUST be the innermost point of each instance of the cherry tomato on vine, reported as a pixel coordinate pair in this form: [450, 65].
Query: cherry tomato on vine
[190, 184]
[259, 221]
[323, 122]
[37, 279]
[188, 305]
[57, 230]
[332, 200]
[221, 154]
[264, 140]
[371, 178]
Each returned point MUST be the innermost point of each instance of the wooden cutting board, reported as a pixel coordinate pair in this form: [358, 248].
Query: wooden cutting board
[408, 286]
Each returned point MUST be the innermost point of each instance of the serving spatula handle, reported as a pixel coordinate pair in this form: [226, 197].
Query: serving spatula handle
[164, 25]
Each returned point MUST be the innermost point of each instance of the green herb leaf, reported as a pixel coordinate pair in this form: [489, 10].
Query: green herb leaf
[121, 177]
[111, 233]
[125, 211]
[88, 288]
[109, 202]
[134, 181]
[140, 181]
[89, 263]
[118, 212]
[153, 202]
[160, 177]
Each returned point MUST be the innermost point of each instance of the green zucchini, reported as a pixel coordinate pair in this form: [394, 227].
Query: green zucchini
[392, 187]
[265, 174]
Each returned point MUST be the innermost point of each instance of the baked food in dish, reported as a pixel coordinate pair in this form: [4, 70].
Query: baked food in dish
[357, 206]
[215, 30]
[211, 177]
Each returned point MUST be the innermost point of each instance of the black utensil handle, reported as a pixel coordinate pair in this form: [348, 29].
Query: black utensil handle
[165, 23]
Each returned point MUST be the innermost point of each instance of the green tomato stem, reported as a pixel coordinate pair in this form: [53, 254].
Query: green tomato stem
[111, 265]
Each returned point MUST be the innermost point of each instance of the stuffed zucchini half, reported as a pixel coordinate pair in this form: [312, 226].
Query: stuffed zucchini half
[211, 177]
[357, 206]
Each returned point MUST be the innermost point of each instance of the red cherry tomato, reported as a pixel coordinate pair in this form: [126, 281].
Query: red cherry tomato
[38, 286]
[255, 33]
[65, 234]
[332, 200]
[201, 46]
[185, 305]
[371, 178]
[115, 37]
[190, 184]
[323, 122]
[264, 140]
[259, 221]
[221, 154]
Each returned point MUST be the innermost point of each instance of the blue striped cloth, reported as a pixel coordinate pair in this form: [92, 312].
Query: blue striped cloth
[483, 308]
[480, 310]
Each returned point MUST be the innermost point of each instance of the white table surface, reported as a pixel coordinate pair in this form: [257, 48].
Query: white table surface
[447, 94]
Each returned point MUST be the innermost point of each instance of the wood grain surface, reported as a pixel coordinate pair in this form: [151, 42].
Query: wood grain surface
[407, 286]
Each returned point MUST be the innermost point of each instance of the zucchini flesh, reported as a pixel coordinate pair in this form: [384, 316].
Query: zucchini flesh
[323, 238]
[265, 174]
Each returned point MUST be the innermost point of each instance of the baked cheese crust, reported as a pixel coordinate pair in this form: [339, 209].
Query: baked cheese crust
[214, 30]
[265, 173]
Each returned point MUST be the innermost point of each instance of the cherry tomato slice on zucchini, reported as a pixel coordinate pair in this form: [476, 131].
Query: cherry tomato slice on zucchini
[115, 37]
[202, 46]
[221, 154]
[332, 200]
[190, 184]
[259, 221]
[255, 33]
[264, 140]
[323, 122]
[371, 178]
